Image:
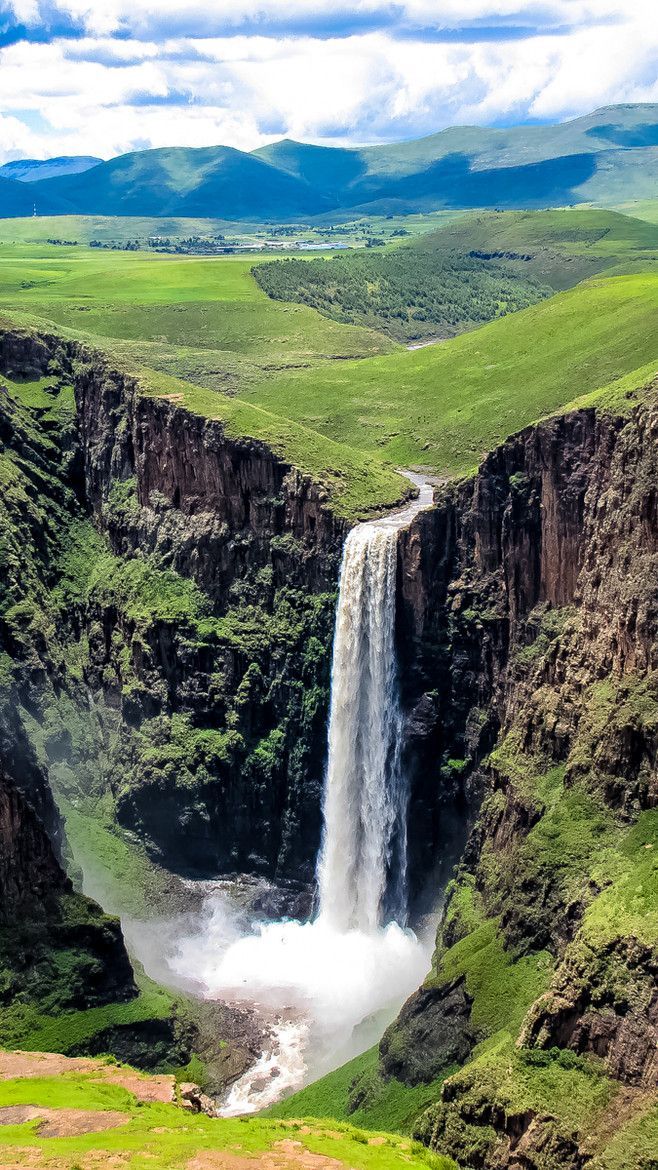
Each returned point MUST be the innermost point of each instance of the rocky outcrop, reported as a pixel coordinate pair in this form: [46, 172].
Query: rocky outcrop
[210, 504]
[604, 1002]
[28, 867]
[431, 1033]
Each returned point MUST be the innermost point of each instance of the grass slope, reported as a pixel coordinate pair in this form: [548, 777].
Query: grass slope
[356, 1092]
[445, 406]
[207, 314]
[590, 158]
[473, 270]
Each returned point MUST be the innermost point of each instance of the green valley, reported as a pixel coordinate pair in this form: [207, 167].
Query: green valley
[329, 635]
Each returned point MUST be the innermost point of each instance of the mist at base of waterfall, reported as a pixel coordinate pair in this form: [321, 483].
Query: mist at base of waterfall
[319, 987]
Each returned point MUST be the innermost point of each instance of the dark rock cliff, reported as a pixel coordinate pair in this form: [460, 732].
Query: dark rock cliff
[529, 619]
[204, 635]
[57, 949]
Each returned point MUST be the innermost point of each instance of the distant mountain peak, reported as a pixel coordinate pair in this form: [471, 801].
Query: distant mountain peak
[32, 170]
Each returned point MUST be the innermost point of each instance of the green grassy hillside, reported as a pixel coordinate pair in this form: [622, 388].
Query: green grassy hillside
[202, 319]
[445, 406]
[216, 181]
[451, 166]
[472, 270]
[598, 158]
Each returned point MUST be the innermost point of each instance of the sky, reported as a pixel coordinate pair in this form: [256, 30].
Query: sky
[105, 78]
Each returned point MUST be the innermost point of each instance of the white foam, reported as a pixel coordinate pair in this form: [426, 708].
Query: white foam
[323, 981]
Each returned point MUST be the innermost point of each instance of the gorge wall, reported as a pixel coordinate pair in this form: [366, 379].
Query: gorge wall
[528, 611]
[193, 578]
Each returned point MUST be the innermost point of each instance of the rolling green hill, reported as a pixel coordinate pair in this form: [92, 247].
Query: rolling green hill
[443, 407]
[476, 268]
[605, 157]
[588, 158]
[215, 181]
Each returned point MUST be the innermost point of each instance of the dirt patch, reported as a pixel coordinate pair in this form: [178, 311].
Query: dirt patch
[62, 1122]
[145, 1088]
[284, 1155]
[15, 1065]
[22, 1065]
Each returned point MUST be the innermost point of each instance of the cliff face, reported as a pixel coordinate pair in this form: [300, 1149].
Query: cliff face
[529, 610]
[58, 951]
[231, 497]
[201, 618]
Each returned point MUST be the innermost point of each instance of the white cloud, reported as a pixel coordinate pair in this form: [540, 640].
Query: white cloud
[105, 94]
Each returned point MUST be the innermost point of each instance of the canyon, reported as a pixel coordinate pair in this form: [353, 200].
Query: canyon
[166, 629]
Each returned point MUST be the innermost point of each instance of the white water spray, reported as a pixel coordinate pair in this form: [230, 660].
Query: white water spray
[356, 959]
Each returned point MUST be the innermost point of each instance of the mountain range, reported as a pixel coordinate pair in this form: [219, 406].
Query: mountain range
[603, 157]
[31, 170]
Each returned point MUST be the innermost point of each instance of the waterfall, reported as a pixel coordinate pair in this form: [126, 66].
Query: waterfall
[362, 864]
[319, 982]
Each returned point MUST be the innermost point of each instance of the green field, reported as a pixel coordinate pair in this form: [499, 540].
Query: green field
[338, 228]
[198, 318]
[640, 208]
[342, 402]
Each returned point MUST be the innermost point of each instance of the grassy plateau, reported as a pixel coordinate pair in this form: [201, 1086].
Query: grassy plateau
[342, 401]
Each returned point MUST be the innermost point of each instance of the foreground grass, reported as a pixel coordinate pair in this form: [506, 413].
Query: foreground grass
[165, 1137]
[386, 1104]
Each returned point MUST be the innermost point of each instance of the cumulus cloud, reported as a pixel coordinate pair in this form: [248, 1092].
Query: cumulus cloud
[76, 77]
